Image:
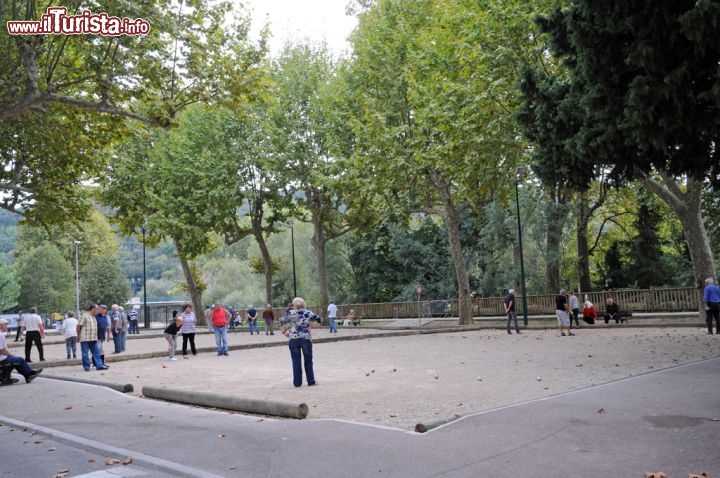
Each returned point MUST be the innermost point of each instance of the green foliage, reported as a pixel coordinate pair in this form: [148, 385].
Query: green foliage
[258, 265]
[647, 268]
[102, 281]
[642, 91]
[46, 280]
[9, 289]
[390, 261]
[65, 98]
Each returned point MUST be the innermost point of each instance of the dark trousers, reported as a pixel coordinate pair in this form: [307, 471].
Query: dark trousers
[510, 317]
[302, 347]
[574, 315]
[33, 337]
[191, 338]
[713, 312]
[18, 333]
[615, 316]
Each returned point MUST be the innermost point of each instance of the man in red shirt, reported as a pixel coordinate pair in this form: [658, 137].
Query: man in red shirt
[220, 317]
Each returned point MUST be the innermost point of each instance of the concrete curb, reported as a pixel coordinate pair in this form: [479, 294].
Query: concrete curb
[93, 446]
[123, 388]
[425, 427]
[227, 402]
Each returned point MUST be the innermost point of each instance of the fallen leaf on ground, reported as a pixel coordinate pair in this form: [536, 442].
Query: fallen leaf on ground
[655, 474]
[91, 460]
[52, 449]
[701, 475]
[232, 467]
[222, 435]
[39, 440]
[602, 410]
[69, 407]
[112, 461]
[127, 460]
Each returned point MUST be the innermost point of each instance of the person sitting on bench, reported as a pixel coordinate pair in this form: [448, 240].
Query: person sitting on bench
[353, 318]
[18, 362]
[612, 311]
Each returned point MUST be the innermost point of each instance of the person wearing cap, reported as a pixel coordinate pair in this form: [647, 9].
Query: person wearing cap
[18, 362]
[87, 331]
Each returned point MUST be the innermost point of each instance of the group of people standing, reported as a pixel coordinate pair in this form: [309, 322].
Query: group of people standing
[567, 310]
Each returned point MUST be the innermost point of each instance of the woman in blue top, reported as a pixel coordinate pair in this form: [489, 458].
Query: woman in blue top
[296, 325]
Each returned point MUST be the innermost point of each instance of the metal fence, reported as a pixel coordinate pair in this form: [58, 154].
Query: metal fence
[647, 300]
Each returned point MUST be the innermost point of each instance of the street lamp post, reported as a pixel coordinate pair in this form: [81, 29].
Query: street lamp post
[519, 171]
[292, 245]
[145, 308]
[77, 280]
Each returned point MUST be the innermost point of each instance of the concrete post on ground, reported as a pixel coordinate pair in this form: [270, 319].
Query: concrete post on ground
[228, 402]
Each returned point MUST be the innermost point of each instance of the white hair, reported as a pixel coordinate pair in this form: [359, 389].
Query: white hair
[511, 291]
[298, 303]
[709, 281]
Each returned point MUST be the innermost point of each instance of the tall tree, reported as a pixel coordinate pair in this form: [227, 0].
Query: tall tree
[646, 268]
[640, 96]
[46, 280]
[102, 280]
[434, 94]
[65, 98]
[305, 128]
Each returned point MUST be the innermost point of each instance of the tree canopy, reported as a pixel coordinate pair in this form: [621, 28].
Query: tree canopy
[640, 91]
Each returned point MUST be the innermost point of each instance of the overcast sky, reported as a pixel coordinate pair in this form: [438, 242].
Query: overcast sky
[295, 20]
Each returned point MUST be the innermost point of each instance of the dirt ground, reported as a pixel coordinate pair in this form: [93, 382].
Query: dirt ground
[399, 381]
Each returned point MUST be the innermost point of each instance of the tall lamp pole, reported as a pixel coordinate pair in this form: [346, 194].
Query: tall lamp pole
[77, 280]
[519, 171]
[292, 245]
[145, 308]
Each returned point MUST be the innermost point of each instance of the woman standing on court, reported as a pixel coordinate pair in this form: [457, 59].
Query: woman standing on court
[296, 325]
[188, 330]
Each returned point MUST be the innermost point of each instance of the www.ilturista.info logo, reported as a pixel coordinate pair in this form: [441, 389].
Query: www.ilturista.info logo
[57, 22]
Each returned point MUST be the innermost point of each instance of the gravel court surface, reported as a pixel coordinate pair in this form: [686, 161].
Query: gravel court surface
[399, 381]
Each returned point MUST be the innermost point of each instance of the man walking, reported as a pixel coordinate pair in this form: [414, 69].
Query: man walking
[87, 331]
[510, 311]
[711, 297]
[332, 317]
[34, 333]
